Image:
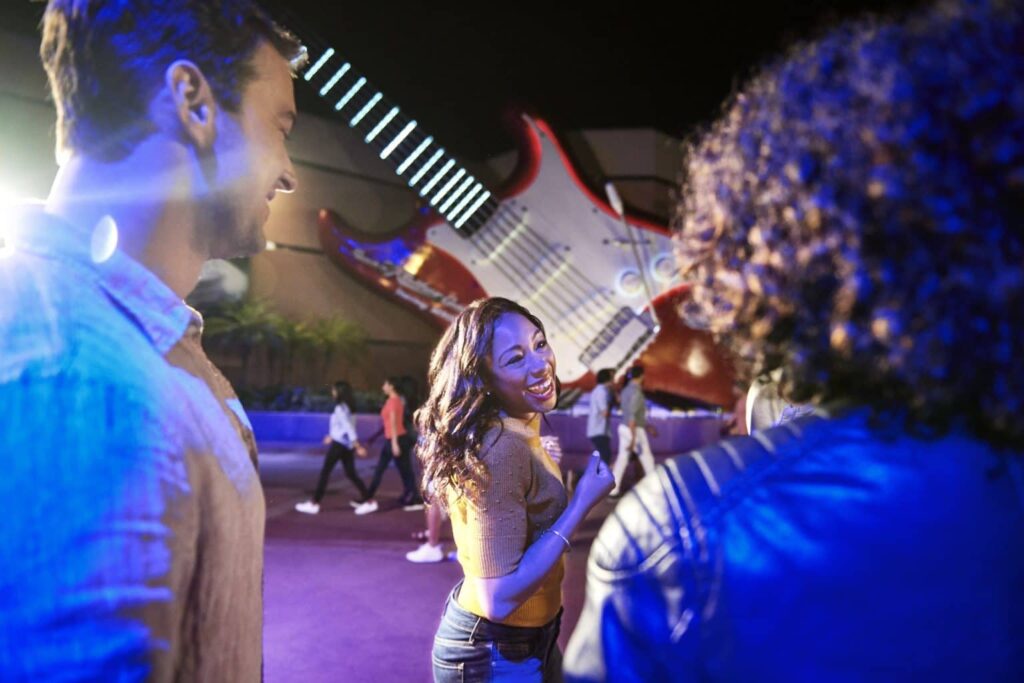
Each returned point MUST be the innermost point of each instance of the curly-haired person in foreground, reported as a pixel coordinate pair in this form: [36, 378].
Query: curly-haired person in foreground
[855, 221]
[492, 376]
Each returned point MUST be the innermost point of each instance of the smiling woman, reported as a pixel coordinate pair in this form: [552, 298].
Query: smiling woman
[492, 376]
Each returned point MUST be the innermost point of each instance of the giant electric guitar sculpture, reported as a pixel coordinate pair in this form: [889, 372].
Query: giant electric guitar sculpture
[606, 289]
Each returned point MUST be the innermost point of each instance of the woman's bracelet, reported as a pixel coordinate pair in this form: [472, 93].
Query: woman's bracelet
[568, 546]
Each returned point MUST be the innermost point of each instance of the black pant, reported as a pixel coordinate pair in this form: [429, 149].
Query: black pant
[335, 453]
[603, 445]
[404, 462]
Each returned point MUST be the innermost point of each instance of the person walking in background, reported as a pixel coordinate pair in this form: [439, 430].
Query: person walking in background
[398, 445]
[599, 428]
[431, 550]
[633, 428]
[344, 446]
[492, 376]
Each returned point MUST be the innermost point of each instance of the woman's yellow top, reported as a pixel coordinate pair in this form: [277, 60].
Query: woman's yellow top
[523, 498]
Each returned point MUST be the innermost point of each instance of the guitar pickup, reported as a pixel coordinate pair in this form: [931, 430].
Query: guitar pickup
[621, 341]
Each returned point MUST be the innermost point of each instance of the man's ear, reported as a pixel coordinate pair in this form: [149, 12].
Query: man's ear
[195, 107]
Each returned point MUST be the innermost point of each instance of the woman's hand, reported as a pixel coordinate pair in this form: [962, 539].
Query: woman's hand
[360, 450]
[595, 483]
[394, 446]
[327, 440]
[553, 447]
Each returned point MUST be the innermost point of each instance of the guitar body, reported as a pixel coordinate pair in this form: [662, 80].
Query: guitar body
[606, 289]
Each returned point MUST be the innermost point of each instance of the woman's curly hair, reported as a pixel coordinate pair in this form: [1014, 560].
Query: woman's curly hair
[855, 218]
[459, 409]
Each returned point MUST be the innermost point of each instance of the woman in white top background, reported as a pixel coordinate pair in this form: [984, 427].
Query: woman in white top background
[344, 445]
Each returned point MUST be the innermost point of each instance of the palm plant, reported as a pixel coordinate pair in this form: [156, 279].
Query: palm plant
[243, 328]
[338, 337]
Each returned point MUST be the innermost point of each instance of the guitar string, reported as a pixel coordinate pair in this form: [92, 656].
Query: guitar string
[578, 320]
[524, 271]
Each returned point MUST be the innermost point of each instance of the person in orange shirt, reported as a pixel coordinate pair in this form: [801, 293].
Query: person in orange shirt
[492, 376]
[398, 445]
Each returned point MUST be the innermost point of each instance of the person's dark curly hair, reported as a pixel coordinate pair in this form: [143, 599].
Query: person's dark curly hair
[460, 409]
[856, 216]
[105, 61]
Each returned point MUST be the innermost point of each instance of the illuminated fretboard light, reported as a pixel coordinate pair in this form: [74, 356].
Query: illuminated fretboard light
[365, 110]
[437, 177]
[402, 135]
[465, 201]
[447, 186]
[334, 79]
[350, 94]
[319, 64]
[476, 205]
[415, 155]
[426, 167]
[371, 136]
[455, 195]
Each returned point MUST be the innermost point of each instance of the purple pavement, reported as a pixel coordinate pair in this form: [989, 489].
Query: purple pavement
[341, 601]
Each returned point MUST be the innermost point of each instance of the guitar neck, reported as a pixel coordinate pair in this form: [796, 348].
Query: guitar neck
[396, 137]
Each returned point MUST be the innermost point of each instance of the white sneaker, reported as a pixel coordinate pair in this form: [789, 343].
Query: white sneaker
[309, 507]
[367, 507]
[412, 507]
[426, 553]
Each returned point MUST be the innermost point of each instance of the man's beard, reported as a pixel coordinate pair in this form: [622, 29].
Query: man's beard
[225, 231]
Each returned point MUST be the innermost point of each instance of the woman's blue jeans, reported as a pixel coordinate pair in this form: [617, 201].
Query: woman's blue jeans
[471, 648]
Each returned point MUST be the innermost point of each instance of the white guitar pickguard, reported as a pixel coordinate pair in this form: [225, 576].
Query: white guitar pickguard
[568, 261]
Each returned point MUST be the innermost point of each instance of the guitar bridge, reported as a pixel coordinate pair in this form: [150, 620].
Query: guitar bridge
[621, 341]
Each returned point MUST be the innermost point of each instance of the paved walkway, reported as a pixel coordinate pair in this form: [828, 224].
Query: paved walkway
[341, 601]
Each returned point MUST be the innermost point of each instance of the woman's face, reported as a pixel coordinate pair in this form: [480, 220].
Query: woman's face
[387, 388]
[522, 367]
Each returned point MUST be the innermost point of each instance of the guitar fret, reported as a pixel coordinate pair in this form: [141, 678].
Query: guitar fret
[448, 186]
[465, 200]
[472, 211]
[455, 195]
[404, 166]
[319, 64]
[366, 108]
[380, 126]
[437, 177]
[397, 140]
[426, 167]
[350, 94]
[333, 81]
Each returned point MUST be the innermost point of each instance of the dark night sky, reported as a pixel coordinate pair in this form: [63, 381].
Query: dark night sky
[463, 71]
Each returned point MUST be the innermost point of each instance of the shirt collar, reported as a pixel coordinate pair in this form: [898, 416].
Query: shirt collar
[160, 313]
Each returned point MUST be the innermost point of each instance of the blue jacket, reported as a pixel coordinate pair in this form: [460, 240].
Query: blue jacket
[821, 550]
